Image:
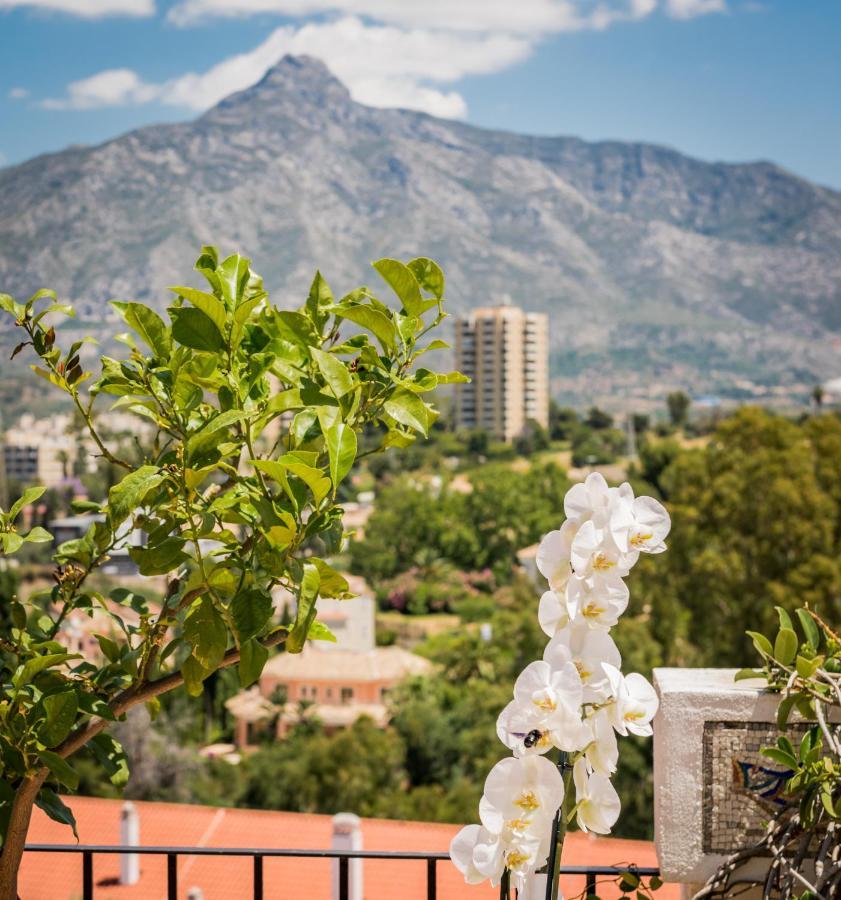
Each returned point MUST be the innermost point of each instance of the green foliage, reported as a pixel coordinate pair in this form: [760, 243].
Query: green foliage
[678, 404]
[483, 529]
[596, 446]
[755, 523]
[229, 512]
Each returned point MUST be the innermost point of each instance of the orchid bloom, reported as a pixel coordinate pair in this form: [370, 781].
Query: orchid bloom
[587, 650]
[589, 500]
[634, 702]
[575, 699]
[553, 556]
[597, 804]
[638, 524]
[597, 601]
[593, 552]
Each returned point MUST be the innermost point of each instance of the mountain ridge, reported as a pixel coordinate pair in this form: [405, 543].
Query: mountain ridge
[659, 270]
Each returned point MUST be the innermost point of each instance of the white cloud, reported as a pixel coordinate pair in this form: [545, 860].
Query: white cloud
[112, 87]
[532, 17]
[88, 9]
[381, 66]
[688, 9]
[18, 93]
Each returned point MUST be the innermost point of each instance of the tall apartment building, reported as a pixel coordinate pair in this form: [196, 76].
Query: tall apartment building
[505, 351]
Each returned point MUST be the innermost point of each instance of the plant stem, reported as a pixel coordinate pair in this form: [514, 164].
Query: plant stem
[559, 827]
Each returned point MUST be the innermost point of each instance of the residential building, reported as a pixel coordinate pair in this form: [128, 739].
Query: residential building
[39, 451]
[337, 682]
[505, 352]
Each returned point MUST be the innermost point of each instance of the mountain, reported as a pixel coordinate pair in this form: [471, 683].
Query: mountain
[658, 271]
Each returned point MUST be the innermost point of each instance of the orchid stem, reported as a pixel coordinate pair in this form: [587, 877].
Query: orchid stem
[559, 828]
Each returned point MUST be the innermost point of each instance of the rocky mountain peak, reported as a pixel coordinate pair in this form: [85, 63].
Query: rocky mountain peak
[294, 82]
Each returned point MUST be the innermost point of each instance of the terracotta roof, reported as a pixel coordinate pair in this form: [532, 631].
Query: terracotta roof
[47, 876]
[312, 664]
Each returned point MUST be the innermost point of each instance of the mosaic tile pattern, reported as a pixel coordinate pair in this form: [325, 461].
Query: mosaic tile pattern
[741, 787]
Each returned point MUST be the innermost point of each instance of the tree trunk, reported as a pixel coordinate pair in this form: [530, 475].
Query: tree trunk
[12, 854]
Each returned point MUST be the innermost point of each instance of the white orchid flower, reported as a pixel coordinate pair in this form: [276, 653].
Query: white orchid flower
[553, 612]
[554, 696]
[461, 852]
[553, 556]
[588, 500]
[521, 797]
[593, 552]
[638, 524]
[587, 649]
[602, 753]
[597, 601]
[523, 729]
[634, 702]
[597, 803]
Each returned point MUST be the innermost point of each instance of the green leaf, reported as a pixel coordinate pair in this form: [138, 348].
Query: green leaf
[744, 674]
[429, 276]
[251, 611]
[194, 675]
[810, 628]
[335, 373]
[316, 481]
[149, 325]
[330, 582]
[409, 410]
[192, 328]
[785, 646]
[378, 323]
[806, 668]
[784, 711]
[37, 535]
[784, 617]
[33, 667]
[320, 297]
[205, 631]
[318, 631]
[403, 282]
[111, 757]
[60, 769]
[10, 542]
[762, 644]
[49, 801]
[159, 560]
[780, 756]
[305, 615]
[253, 656]
[341, 449]
[211, 306]
[60, 711]
[30, 495]
[126, 496]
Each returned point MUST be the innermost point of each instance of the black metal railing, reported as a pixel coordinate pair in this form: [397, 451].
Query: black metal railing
[590, 874]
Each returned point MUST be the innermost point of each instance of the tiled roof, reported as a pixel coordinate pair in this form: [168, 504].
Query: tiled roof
[58, 876]
[312, 664]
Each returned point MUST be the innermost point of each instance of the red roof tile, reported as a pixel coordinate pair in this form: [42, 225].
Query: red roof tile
[54, 876]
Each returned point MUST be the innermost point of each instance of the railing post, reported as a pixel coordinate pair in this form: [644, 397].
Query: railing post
[344, 878]
[591, 884]
[431, 880]
[87, 875]
[258, 877]
[172, 876]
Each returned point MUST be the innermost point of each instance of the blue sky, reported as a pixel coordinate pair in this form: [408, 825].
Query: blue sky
[720, 79]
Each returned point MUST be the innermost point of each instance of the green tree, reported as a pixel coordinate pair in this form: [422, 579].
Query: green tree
[563, 420]
[755, 523]
[678, 404]
[597, 419]
[224, 523]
